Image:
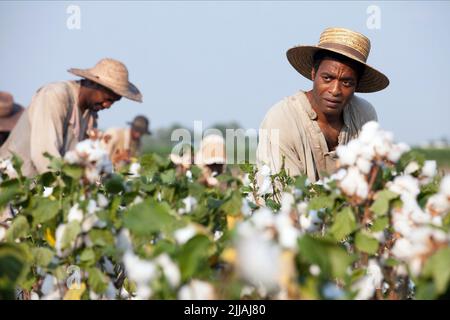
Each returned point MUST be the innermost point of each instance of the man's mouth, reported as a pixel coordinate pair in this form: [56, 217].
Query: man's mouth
[332, 103]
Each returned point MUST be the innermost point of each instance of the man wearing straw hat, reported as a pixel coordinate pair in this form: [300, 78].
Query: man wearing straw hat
[124, 143]
[10, 113]
[310, 125]
[61, 113]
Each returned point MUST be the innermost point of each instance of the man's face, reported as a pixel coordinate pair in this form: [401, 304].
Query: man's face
[136, 135]
[334, 85]
[102, 98]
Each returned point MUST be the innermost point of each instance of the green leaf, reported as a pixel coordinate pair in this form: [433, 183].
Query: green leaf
[437, 266]
[19, 228]
[7, 194]
[193, 256]
[332, 259]
[168, 177]
[366, 243]
[97, 280]
[74, 171]
[44, 210]
[233, 205]
[274, 206]
[381, 204]
[344, 224]
[148, 217]
[87, 256]
[380, 224]
[321, 202]
[70, 234]
[115, 184]
[42, 256]
[101, 238]
[13, 268]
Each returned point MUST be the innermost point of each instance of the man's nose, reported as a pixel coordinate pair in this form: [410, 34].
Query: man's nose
[335, 88]
[107, 104]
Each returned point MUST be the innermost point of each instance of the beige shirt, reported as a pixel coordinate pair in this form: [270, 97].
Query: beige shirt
[52, 123]
[119, 141]
[290, 129]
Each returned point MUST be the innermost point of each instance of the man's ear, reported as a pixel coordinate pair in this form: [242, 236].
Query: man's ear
[313, 74]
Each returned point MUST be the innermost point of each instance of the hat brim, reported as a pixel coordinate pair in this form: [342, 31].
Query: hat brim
[302, 59]
[149, 132]
[131, 92]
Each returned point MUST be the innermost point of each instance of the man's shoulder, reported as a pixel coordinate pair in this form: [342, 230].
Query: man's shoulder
[284, 109]
[363, 108]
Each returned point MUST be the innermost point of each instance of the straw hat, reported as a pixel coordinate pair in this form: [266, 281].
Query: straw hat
[113, 75]
[351, 44]
[140, 124]
[6, 104]
[10, 112]
[212, 150]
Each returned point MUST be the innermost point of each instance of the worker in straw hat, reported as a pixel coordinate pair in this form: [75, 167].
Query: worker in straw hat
[124, 143]
[10, 113]
[303, 130]
[60, 114]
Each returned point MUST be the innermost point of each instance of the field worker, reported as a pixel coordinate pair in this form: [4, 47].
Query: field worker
[60, 114]
[10, 113]
[311, 124]
[124, 143]
[211, 155]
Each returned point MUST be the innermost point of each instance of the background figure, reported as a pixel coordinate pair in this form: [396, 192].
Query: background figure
[124, 143]
[211, 156]
[62, 113]
[10, 113]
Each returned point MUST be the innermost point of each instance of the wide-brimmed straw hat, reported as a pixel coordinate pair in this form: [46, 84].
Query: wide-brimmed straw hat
[348, 43]
[140, 124]
[211, 151]
[113, 75]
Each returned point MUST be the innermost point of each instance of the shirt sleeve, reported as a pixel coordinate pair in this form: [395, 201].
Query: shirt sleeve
[50, 109]
[276, 142]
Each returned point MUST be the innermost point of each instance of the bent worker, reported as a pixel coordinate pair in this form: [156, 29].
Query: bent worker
[61, 113]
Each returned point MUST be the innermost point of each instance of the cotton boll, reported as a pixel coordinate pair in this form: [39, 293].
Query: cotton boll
[123, 240]
[263, 218]
[264, 171]
[354, 184]
[189, 204]
[412, 167]
[445, 186]
[48, 284]
[183, 235]
[139, 270]
[47, 192]
[75, 214]
[348, 153]
[429, 169]
[310, 222]
[259, 262]
[286, 202]
[134, 170]
[287, 233]
[2, 233]
[397, 151]
[170, 269]
[265, 187]
[364, 165]
[92, 206]
[367, 285]
[102, 200]
[197, 290]
[369, 131]
[405, 184]
[71, 157]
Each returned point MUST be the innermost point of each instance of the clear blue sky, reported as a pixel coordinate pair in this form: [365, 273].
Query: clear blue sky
[225, 60]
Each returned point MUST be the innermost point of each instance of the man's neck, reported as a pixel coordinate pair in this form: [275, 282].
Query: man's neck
[82, 98]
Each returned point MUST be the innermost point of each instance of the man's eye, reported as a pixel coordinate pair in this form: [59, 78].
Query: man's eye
[348, 83]
[326, 78]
